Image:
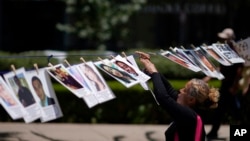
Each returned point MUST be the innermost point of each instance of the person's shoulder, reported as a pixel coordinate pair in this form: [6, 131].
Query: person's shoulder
[51, 100]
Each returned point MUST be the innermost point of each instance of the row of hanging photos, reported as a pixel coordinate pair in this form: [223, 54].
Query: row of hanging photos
[200, 58]
[30, 94]
[35, 97]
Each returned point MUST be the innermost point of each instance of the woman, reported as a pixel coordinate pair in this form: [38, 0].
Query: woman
[93, 77]
[6, 96]
[187, 124]
[118, 74]
[126, 67]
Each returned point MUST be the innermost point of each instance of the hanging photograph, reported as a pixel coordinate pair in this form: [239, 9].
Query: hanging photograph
[115, 72]
[129, 68]
[204, 61]
[64, 77]
[98, 85]
[17, 81]
[169, 55]
[228, 53]
[42, 87]
[89, 95]
[216, 56]
[193, 57]
[9, 101]
[180, 53]
[243, 49]
[130, 59]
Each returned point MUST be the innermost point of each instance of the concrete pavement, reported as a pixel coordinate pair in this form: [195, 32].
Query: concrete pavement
[12, 131]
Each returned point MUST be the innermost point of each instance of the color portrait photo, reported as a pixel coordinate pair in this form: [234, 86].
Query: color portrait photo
[17, 80]
[42, 87]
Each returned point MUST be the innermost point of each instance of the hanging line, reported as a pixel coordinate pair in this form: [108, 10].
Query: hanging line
[56, 56]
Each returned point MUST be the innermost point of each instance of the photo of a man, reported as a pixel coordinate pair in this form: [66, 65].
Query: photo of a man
[24, 94]
[38, 87]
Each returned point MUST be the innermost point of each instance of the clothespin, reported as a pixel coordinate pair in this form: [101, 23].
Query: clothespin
[67, 62]
[204, 44]
[82, 60]
[13, 69]
[50, 65]
[112, 57]
[36, 67]
[100, 59]
[183, 47]
[171, 48]
[192, 46]
[124, 54]
[161, 50]
[151, 53]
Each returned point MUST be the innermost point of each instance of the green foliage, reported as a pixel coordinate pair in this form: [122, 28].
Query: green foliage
[133, 105]
[98, 20]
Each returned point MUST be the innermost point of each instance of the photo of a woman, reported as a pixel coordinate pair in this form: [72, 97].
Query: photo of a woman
[93, 77]
[123, 76]
[126, 67]
[6, 96]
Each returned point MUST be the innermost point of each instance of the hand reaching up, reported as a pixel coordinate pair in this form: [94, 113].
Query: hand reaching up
[145, 59]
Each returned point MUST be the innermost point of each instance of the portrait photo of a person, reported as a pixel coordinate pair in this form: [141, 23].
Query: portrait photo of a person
[24, 94]
[6, 96]
[176, 60]
[123, 76]
[214, 54]
[204, 60]
[191, 55]
[93, 77]
[38, 87]
[126, 67]
[76, 73]
[179, 54]
[63, 76]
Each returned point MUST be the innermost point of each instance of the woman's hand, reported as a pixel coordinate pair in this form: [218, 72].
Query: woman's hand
[143, 55]
[145, 59]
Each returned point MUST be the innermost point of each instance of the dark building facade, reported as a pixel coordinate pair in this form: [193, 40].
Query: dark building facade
[31, 24]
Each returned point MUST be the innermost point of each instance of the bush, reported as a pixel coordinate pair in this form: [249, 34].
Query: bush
[132, 105]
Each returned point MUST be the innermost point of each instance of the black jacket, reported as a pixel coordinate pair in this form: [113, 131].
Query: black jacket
[184, 118]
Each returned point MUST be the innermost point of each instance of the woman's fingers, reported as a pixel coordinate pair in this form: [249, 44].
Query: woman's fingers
[143, 55]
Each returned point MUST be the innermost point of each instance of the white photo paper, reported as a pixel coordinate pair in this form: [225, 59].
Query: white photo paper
[64, 77]
[96, 82]
[17, 80]
[191, 55]
[243, 49]
[180, 53]
[114, 71]
[88, 96]
[130, 59]
[124, 65]
[216, 56]
[204, 61]
[42, 87]
[228, 53]
[172, 57]
[9, 101]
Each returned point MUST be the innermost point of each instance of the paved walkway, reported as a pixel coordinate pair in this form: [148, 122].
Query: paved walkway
[86, 132]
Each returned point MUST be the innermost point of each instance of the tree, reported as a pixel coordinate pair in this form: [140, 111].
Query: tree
[99, 21]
